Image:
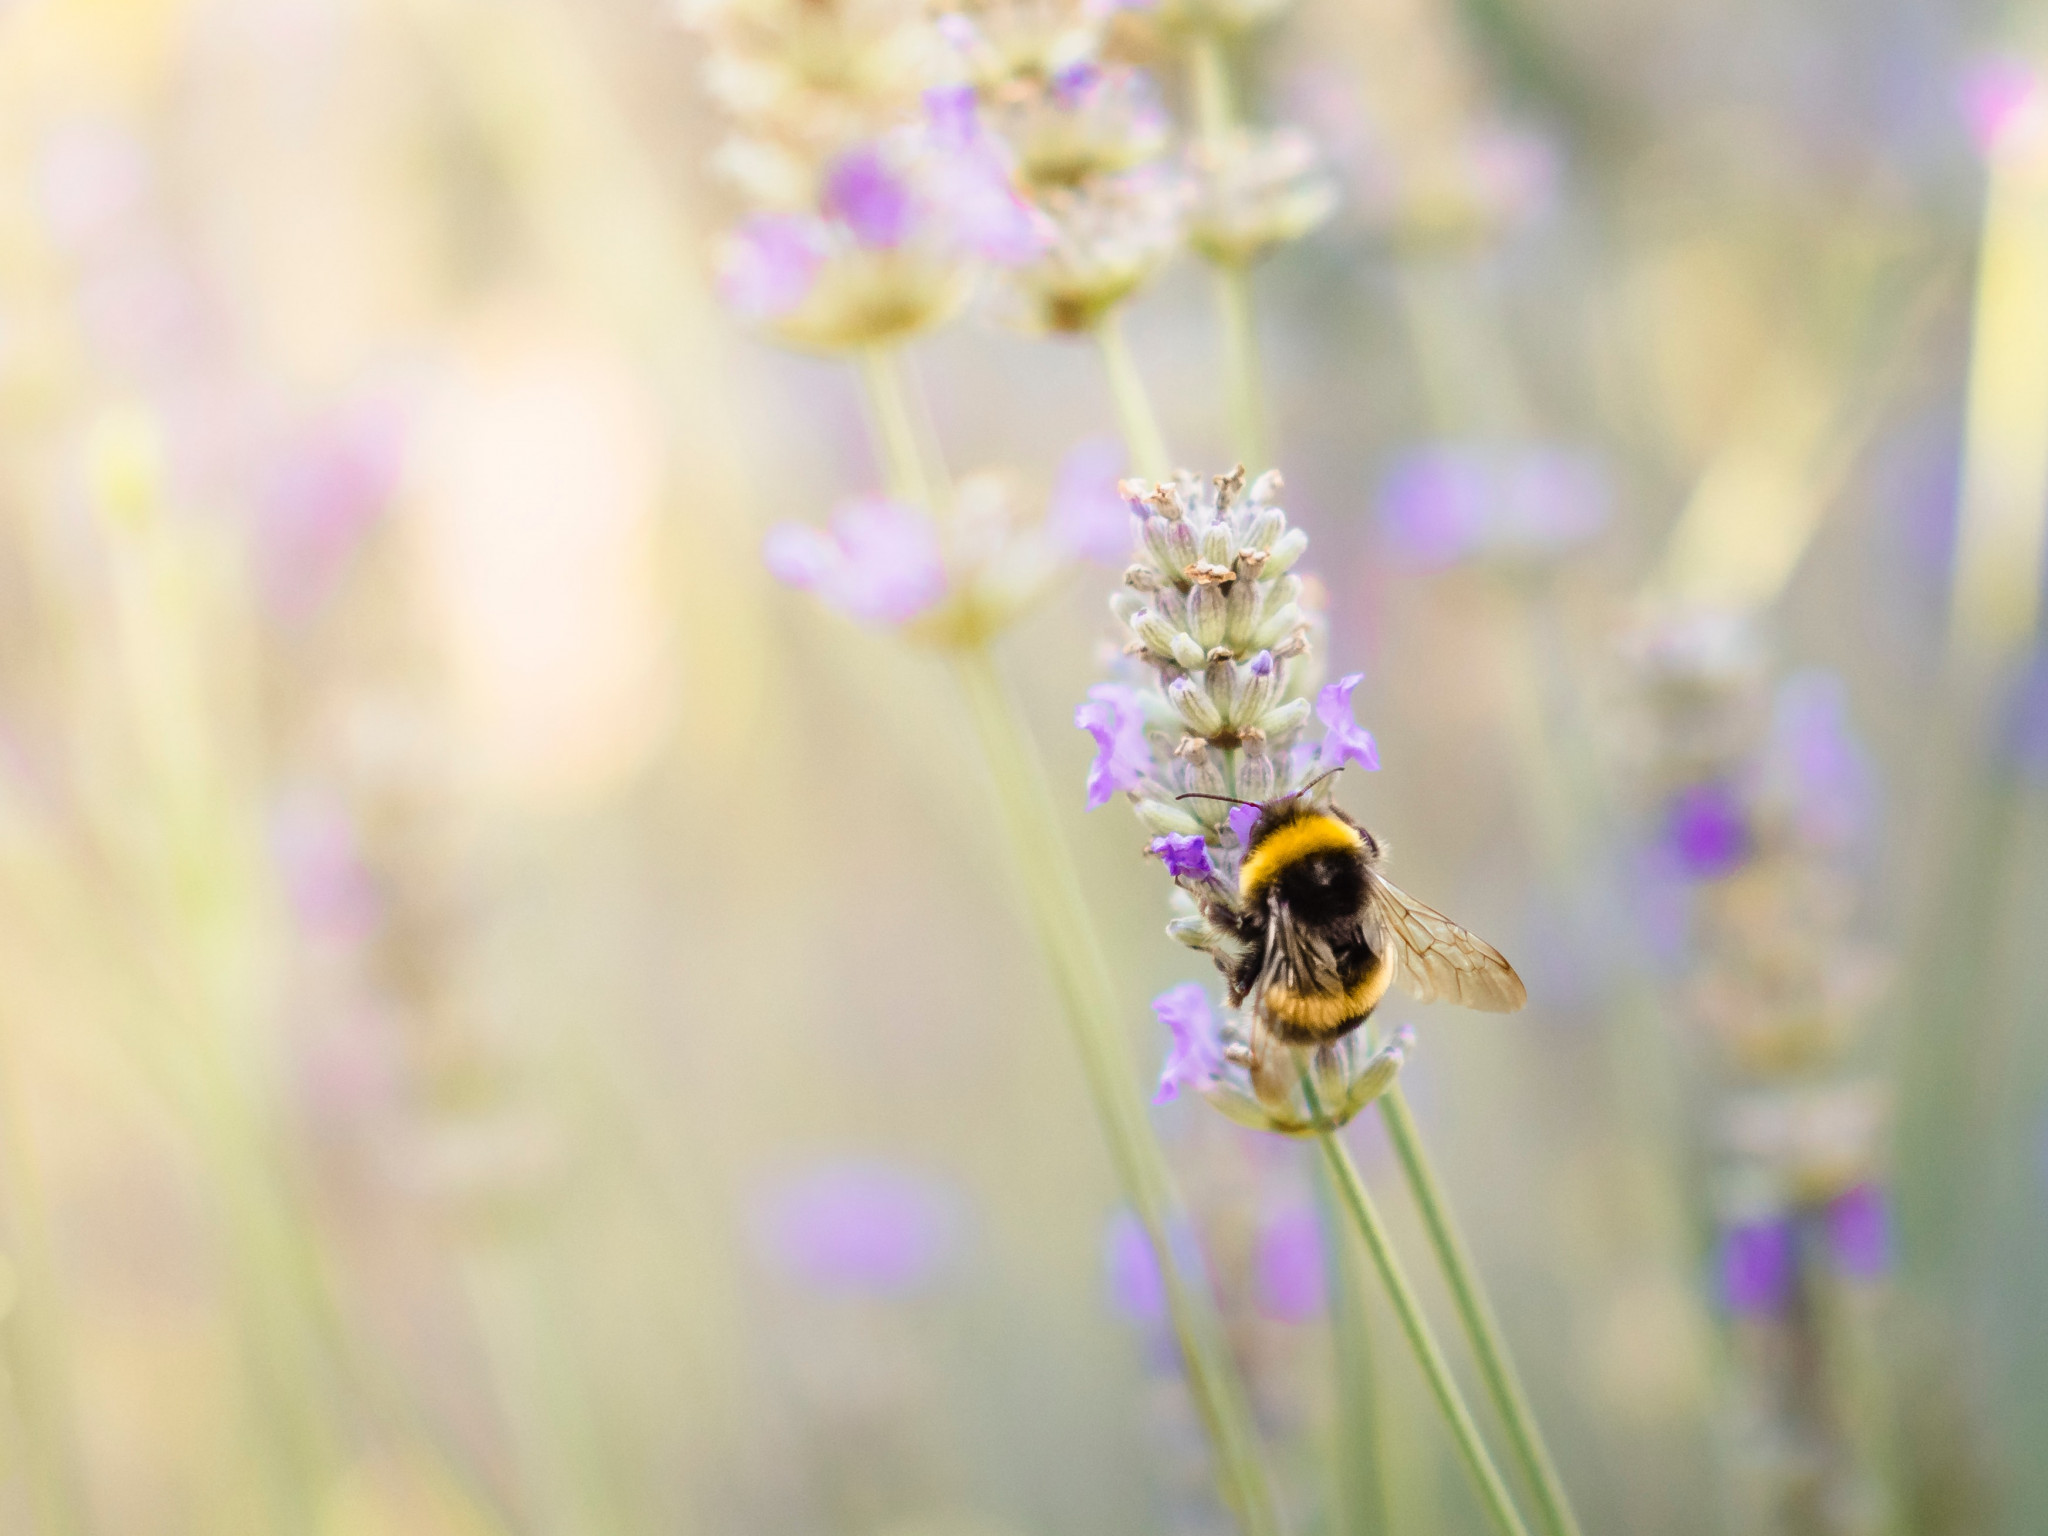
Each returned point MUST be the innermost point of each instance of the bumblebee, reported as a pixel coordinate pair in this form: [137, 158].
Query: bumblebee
[1323, 934]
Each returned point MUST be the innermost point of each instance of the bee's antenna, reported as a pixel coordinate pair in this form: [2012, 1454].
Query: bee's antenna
[1227, 799]
[1310, 786]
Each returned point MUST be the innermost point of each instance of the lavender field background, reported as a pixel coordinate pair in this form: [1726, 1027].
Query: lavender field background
[516, 1021]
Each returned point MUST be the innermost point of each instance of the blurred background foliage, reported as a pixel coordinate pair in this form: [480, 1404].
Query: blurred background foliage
[510, 1023]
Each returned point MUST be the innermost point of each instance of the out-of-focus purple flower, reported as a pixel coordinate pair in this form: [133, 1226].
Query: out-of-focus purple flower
[1756, 1267]
[320, 499]
[969, 187]
[870, 196]
[880, 561]
[768, 266]
[2003, 97]
[1344, 740]
[1815, 760]
[320, 865]
[1859, 1228]
[1451, 501]
[1288, 1267]
[1184, 855]
[1196, 1055]
[1136, 1288]
[1706, 830]
[1089, 519]
[859, 1227]
[1242, 819]
[1114, 718]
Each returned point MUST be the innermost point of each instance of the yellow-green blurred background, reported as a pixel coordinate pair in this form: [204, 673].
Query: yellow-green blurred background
[455, 912]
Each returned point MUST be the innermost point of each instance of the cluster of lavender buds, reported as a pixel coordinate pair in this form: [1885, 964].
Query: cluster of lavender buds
[1086, 141]
[871, 208]
[960, 578]
[1220, 691]
[1764, 815]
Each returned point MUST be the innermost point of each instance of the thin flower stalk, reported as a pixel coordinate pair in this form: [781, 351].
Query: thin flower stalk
[1054, 896]
[1476, 1314]
[1486, 1478]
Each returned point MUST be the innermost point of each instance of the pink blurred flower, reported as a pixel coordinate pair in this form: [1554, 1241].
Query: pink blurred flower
[879, 563]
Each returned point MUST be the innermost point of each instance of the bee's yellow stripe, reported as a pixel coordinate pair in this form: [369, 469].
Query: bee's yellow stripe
[1319, 1012]
[1296, 840]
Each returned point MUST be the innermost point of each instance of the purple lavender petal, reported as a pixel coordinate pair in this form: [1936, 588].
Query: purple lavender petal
[1706, 830]
[1089, 519]
[879, 563]
[1289, 1272]
[1072, 86]
[1344, 741]
[2000, 95]
[1756, 1267]
[1123, 760]
[1186, 856]
[860, 1227]
[970, 197]
[320, 501]
[950, 110]
[1196, 1055]
[1432, 505]
[1242, 819]
[768, 266]
[1136, 1287]
[867, 194]
[1815, 756]
[1859, 1228]
[320, 863]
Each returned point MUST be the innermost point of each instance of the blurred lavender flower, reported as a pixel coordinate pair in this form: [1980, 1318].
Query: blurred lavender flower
[1197, 1053]
[770, 264]
[1088, 517]
[1290, 1271]
[2003, 100]
[1756, 1266]
[1859, 1232]
[1814, 765]
[880, 563]
[1136, 1288]
[859, 1228]
[1123, 760]
[1449, 502]
[1706, 830]
[320, 863]
[1255, 191]
[319, 500]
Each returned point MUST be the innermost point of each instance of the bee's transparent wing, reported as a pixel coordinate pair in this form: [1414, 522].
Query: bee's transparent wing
[1434, 959]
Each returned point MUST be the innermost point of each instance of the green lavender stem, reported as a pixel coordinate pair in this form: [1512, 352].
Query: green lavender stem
[1135, 416]
[1482, 1327]
[1081, 975]
[1486, 1478]
[1244, 393]
[1357, 1485]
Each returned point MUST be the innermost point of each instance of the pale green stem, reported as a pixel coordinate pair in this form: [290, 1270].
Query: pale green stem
[1357, 1484]
[903, 463]
[1135, 416]
[1482, 1327]
[1242, 376]
[1486, 1478]
[1244, 392]
[1053, 894]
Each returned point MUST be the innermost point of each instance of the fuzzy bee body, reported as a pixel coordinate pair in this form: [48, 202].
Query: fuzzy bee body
[1323, 934]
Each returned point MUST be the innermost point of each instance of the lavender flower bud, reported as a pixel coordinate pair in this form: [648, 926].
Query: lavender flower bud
[1221, 681]
[1255, 777]
[1163, 818]
[1241, 612]
[1155, 530]
[1181, 548]
[1259, 683]
[1188, 653]
[1286, 550]
[1282, 624]
[1125, 607]
[1285, 718]
[1267, 486]
[1218, 548]
[1195, 932]
[1266, 526]
[1171, 605]
[1197, 708]
[1157, 634]
[1142, 578]
[1201, 775]
[1207, 615]
[1278, 594]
